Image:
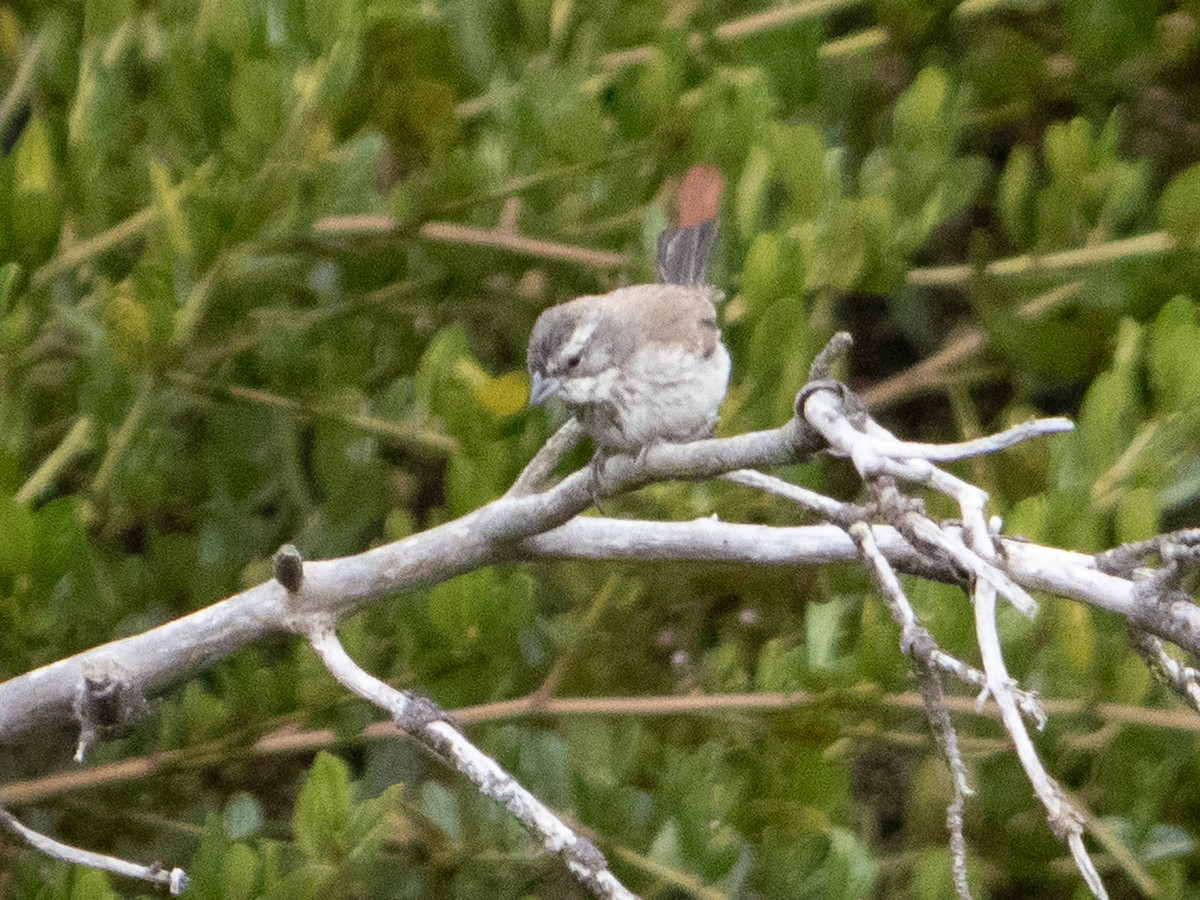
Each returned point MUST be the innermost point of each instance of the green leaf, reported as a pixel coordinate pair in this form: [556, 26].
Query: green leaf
[822, 633]
[1171, 356]
[36, 206]
[230, 26]
[843, 252]
[242, 874]
[1166, 842]
[1105, 420]
[1179, 208]
[11, 275]
[207, 867]
[799, 151]
[848, 871]
[90, 884]
[1014, 196]
[1137, 515]
[920, 110]
[1068, 149]
[1075, 638]
[666, 850]
[750, 195]
[1006, 70]
[331, 20]
[475, 609]
[779, 667]
[34, 174]
[243, 816]
[257, 103]
[762, 276]
[545, 767]
[100, 17]
[322, 816]
[17, 546]
[198, 716]
[504, 395]
[441, 807]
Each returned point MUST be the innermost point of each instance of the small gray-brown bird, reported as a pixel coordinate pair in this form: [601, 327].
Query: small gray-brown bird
[643, 364]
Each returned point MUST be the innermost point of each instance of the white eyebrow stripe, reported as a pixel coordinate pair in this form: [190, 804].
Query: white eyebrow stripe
[579, 337]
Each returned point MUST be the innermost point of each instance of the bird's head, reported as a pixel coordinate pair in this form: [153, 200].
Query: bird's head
[571, 349]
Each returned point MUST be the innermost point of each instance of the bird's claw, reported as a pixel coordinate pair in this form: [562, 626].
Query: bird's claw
[596, 478]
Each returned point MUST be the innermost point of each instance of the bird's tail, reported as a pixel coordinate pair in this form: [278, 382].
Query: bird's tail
[683, 253]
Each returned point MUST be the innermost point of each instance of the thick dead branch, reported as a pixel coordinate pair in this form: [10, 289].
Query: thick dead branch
[890, 534]
[150, 661]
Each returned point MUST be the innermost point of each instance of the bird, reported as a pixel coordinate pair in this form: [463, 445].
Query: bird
[642, 365]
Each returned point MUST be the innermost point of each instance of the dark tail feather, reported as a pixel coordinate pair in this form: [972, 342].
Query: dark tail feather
[683, 253]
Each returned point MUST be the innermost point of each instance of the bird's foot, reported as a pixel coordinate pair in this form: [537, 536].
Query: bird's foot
[596, 470]
[596, 478]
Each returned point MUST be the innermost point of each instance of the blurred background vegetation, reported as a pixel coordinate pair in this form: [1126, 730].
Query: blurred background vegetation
[238, 307]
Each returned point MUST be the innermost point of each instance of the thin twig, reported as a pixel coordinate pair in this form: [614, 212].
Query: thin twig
[289, 739]
[18, 89]
[831, 510]
[886, 444]
[544, 462]
[76, 442]
[864, 41]
[1155, 243]
[928, 374]
[455, 233]
[425, 440]
[174, 879]
[470, 235]
[1065, 821]
[913, 636]
[430, 726]
[878, 453]
[1183, 679]
[778, 17]
[550, 684]
[77, 254]
[882, 460]
[119, 442]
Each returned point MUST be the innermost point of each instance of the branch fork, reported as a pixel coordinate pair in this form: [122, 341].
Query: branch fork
[538, 518]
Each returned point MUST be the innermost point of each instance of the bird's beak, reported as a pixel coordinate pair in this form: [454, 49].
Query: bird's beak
[543, 388]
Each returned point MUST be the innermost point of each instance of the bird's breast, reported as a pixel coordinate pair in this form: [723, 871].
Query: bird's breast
[664, 394]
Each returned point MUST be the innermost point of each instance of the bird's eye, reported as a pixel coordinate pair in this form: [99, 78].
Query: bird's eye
[573, 361]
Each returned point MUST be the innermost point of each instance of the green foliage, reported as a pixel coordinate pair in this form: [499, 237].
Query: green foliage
[336, 841]
[1180, 208]
[209, 346]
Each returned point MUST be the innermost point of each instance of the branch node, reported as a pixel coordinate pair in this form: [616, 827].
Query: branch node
[1178, 551]
[851, 407]
[104, 698]
[586, 854]
[177, 882]
[917, 641]
[287, 565]
[1065, 820]
[421, 712]
[981, 698]
[837, 347]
